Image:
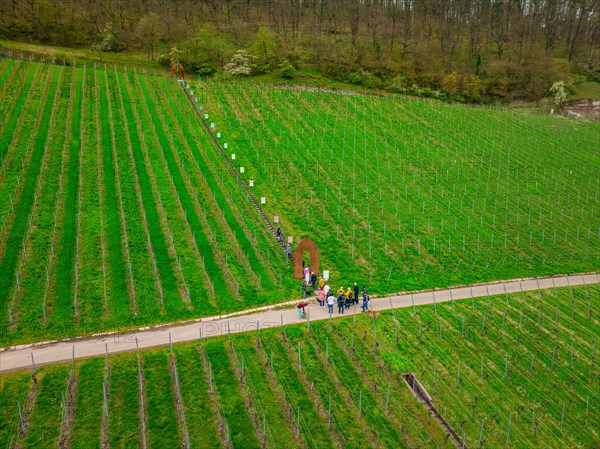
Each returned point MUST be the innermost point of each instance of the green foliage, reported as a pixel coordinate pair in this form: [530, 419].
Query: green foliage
[205, 69]
[149, 32]
[109, 42]
[175, 55]
[397, 363]
[287, 70]
[264, 50]
[451, 83]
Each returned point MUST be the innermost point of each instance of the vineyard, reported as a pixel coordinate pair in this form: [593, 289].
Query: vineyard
[517, 370]
[112, 213]
[406, 194]
[118, 208]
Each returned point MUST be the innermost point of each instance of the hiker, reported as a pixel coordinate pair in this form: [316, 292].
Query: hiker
[355, 293]
[348, 296]
[321, 283]
[313, 281]
[365, 304]
[340, 291]
[300, 308]
[304, 287]
[288, 251]
[281, 240]
[278, 232]
[330, 301]
[326, 290]
[321, 297]
[306, 273]
[340, 301]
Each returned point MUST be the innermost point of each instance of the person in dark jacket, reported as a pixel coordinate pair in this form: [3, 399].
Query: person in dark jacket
[355, 293]
[341, 299]
[313, 281]
[365, 304]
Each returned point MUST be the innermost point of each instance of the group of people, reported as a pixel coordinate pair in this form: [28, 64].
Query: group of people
[344, 297]
[281, 239]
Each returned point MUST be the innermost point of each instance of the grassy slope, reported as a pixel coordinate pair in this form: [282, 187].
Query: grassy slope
[401, 194]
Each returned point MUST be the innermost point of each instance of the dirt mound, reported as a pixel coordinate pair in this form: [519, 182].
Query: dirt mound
[589, 109]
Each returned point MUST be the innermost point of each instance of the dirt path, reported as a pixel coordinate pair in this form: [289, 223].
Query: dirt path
[16, 357]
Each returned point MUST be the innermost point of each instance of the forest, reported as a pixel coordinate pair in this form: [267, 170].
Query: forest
[474, 50]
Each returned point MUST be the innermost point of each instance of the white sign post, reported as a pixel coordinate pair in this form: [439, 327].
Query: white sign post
[263, 200]
[326, 275]
[233, 156]
[241, 169]
[276, 218]
[290, 239]
[251, 183]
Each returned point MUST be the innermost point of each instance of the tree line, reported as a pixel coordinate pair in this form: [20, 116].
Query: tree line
[494, 49]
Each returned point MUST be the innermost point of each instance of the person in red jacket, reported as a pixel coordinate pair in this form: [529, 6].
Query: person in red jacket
[300, 308]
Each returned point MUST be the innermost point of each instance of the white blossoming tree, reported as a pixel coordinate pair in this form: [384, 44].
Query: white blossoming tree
[240, 64]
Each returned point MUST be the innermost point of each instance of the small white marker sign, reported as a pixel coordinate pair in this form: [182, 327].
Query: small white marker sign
[326, 274]
[290, 239]
[263, 200]
[276, 218]
[219, 135]
[212, 125]
[251, 183]
[241, 169]
[233, 156]
[225, 145]
[206, 116]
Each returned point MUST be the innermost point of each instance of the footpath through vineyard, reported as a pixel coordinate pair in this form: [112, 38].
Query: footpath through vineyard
[278, 315]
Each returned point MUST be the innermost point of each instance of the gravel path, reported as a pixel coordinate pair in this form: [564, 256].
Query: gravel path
[20, 356]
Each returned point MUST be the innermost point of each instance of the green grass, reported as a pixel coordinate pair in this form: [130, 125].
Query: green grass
[47, 415]
[65, 304]
[87, 426]
[13, 391]
[124, 420]
[199, 415]
[160, 406]
[257, 384]
[231, 402]
[587, 89]
[81, 55]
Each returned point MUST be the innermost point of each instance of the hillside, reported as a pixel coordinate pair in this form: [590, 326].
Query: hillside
[407, 194]
[119, 210]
